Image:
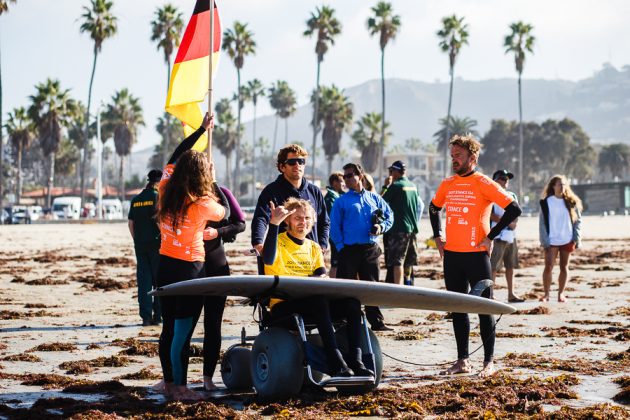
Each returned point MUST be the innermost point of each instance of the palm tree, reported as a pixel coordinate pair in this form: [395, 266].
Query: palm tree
[325, 25]
[225, 135]
[166, 30]
[51, 110]
[453, 36]
[366, 137]
[255, 90]
[170, 139]
[336, 112]
[456, 126]
[615, 158]
[386, 25]
[100, 23]
[238, 43]
[20, 130]
[4, 8]
[517, 42]
[121, 119]
[283, 101]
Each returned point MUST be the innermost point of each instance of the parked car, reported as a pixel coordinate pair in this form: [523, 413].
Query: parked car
[66, 207]
[25, 214]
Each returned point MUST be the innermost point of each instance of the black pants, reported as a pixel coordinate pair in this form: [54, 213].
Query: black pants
[461, 271]
[362, 261]
[179, 317]
[213, 307]
[323, 311]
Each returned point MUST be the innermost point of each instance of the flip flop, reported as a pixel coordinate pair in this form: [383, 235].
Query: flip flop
[516, 300]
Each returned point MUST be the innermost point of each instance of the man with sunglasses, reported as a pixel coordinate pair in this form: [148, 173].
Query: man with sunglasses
[291, 162]
[356, 220]
[504, 249]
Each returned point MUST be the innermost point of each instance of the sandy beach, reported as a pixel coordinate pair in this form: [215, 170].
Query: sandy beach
[71, 343]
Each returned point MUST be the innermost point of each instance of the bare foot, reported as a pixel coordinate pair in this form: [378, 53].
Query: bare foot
[544, 299]
[182, 393]
[487, 370]
[561, 297]
[460, 366]
[208, 384]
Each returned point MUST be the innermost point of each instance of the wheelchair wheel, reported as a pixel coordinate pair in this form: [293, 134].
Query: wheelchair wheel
[277, 364]
[236, 368]
[342, 341]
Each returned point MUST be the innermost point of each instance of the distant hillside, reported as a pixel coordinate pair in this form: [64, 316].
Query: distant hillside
[600, 104]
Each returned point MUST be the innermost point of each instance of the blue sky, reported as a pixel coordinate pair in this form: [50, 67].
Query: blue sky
[41, 39]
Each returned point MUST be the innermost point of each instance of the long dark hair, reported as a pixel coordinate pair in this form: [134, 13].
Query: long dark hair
[191, 180]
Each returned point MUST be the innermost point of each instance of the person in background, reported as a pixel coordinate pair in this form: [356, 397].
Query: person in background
[216, 264]
[504, 248]
[560, 222]
[334, 189]
[146, 243]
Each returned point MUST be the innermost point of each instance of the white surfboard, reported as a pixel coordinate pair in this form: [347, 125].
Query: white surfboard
[368, 293]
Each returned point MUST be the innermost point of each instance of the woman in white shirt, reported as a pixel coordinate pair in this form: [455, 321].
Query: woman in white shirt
[559, 219]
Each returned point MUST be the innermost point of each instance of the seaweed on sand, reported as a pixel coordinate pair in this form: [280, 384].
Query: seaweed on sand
[54, 347]
[46, 281]
[142, 374]
[23, 357]
[574, 365]
[76, 367]
[539, 310]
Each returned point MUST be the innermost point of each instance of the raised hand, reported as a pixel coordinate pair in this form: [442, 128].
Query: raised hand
[278, 214]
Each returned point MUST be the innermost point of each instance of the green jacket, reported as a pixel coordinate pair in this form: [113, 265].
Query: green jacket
[330, 198]
[402, 197]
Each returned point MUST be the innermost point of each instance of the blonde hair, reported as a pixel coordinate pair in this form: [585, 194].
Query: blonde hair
[368, 182]
[571, 200]
[467, 142]
[293, 203]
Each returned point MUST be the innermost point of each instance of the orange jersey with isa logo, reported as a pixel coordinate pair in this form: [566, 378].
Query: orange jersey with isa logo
[186, 242]
[468, 202]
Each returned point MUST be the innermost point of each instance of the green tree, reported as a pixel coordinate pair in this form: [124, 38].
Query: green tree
[386, 25]
[51, 111]
[326, 27]
[518, 42]
[615, 158]
[336, 113]
[225, 135]
[99, 22]
[166, 30]
[453, 36]
[170, 138]
[20, 131]
[121, 120]
[283, 101]
[4, 8]
[238, 42]
[455, 126]
[366, 136]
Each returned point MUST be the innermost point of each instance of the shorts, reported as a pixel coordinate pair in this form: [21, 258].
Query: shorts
[568, 247]
[504, 253]
[401, 249]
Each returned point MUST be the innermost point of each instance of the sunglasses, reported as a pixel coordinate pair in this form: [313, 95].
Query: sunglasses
[348, 176]
[295, 161]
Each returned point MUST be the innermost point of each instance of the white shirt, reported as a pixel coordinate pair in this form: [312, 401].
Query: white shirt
[506, 234]
[560, 226]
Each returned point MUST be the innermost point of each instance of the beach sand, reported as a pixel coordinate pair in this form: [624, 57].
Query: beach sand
[67, 294]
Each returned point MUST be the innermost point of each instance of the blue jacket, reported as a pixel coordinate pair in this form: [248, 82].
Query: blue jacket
[278, 191]
[351, 218]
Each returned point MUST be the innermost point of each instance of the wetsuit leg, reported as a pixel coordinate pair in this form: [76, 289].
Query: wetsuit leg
[350, 310]
[213, 307]
[479, 269]
[166, 336]
[455, 280]
[188, 310]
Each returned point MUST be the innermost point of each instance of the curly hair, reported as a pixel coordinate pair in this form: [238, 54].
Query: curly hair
[191, 180]
[467, 142]
[293, 203]
[571, 200]
[290, 148]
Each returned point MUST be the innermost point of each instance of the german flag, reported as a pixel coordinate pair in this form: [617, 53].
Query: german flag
[189, 78]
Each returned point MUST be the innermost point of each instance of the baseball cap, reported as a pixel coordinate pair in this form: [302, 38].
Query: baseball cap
[154, 175]
[502, 173]
[398, 165]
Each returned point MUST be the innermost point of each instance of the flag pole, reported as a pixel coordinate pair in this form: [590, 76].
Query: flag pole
[209, 132]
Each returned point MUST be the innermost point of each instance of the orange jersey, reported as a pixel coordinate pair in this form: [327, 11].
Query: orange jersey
[468, 202]
[186, 242]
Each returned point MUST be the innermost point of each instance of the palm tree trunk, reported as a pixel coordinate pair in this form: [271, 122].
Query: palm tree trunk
[122, 178]
[1, 148]
[18, 183]
[330, 160]
[237, 168]
[448, 123]
[167, 133]
[381, 148]
[275, 135]
[228, 171]
[51, 177]
[254, 158]
[87, 133]
[315, 120]
[286, 131]
[520, 141]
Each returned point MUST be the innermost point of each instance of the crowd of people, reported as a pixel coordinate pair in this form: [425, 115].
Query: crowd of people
[181, 220]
